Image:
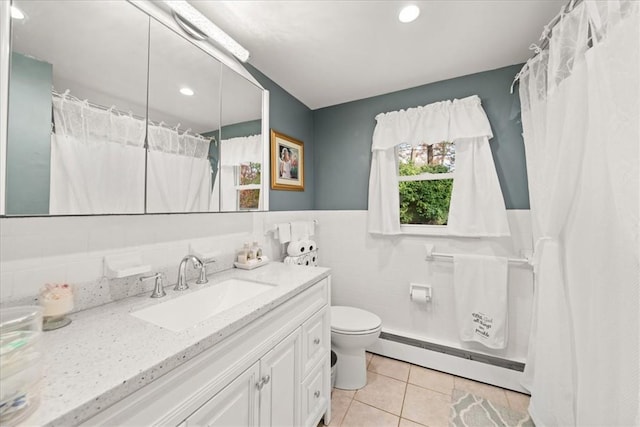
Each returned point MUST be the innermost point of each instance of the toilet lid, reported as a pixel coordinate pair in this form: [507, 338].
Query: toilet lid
[351, 319]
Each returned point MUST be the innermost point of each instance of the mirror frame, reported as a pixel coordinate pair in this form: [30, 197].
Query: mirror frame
[5, 55]
[157, 13]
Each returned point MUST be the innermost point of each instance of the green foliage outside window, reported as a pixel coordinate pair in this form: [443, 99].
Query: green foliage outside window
[424, 202]
[250, 173]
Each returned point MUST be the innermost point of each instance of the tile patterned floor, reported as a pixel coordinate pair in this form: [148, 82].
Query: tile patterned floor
[399, 394]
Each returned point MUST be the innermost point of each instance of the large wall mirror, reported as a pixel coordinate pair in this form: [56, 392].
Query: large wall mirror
[184, 123]
[240, 175]
[77, 109]
[113, 112]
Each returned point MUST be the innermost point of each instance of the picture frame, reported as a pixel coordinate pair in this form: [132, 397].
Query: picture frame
[287, 162]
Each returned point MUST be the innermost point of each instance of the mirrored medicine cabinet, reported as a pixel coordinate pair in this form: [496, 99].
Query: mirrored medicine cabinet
[113, 110]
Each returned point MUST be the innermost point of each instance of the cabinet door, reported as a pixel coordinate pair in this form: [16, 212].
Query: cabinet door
[279, 383]
[235, 405]
[315, 395]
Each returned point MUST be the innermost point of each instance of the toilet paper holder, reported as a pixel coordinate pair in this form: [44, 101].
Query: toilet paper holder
[419, 292]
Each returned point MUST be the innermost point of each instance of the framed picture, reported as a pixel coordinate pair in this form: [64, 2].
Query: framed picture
[287, 162]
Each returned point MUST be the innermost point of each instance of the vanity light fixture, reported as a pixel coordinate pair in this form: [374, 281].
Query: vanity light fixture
[409, 13]
[186, 91]
[188, 13]
[16, 13]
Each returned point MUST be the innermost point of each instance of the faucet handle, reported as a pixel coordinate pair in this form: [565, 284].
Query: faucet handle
[203, 271]
[158, 290]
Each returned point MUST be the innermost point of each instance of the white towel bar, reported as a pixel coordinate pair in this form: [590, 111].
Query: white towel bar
[274, 228]
[450, 256]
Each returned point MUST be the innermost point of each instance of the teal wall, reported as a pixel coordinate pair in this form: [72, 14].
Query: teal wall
[342, 137]
[253, 127]
[291, 117]
[29, 136]
[337, 139]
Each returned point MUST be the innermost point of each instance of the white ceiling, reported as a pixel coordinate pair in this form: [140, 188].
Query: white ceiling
[329, 52]
[105, 51]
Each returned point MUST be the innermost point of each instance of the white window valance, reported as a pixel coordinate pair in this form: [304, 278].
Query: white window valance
[431, 124]
[477, 207]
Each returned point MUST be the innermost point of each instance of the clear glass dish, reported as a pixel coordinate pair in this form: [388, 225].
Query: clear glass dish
[20, 362]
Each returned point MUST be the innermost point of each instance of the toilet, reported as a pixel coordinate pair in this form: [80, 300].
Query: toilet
[352, 330]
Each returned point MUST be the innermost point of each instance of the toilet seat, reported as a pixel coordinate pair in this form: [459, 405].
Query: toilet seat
[353, 321]
[369, 331]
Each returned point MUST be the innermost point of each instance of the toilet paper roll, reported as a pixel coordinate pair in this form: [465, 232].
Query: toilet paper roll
[419, 295]
[299, 260]
[290, 260]
[297, 248]
[311, 245]
[314, 258]
[307, 260]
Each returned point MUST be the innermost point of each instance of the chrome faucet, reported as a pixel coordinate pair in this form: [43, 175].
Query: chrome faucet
[158, 290]
[182, 271]
[203, 271]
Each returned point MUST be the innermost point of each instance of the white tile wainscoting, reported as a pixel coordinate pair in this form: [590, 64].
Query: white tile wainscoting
[369, 272]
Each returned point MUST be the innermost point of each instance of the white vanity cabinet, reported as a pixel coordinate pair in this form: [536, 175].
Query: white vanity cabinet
[274, 371]
[235, 405]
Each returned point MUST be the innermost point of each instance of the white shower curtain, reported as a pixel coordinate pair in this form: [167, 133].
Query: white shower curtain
[580, 110]
[97, 160]
[179, 172]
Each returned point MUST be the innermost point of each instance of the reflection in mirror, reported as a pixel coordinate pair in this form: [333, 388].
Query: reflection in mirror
[184, 121]
[77, 108]
[241, 145]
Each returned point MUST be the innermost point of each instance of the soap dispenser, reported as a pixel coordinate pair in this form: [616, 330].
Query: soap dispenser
[257, 250]
[251, 255]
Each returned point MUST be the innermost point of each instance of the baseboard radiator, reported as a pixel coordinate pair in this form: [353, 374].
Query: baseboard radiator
[457, 352]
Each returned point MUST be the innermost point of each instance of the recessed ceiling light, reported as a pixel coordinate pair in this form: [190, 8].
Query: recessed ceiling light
[186, 91]
[16, 13]
[409, 13]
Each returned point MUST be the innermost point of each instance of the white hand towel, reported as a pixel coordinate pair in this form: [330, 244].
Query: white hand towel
[480, 290]
[284, 232]
[311, 228]
[299, 230]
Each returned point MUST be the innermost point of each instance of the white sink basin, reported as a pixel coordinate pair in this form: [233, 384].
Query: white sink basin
[183, 312]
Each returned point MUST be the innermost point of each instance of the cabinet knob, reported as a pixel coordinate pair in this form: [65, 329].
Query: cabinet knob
[316, 340]
[264, 380]
[317, 394]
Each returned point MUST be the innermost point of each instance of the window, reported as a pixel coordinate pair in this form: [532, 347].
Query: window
[425, 180]
[248, 177]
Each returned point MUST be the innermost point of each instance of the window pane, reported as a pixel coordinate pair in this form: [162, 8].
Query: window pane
[249, 173]
[425, 202]
[436, 158]
[248, 199]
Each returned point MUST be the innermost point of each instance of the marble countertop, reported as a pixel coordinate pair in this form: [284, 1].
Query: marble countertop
[105, 353]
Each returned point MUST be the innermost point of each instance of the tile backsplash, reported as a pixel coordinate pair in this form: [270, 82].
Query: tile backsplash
[35, 251]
